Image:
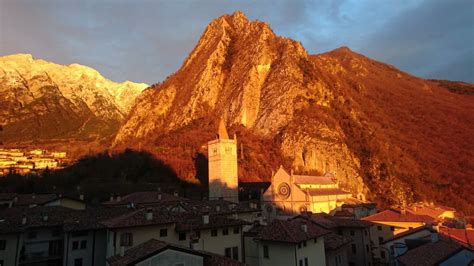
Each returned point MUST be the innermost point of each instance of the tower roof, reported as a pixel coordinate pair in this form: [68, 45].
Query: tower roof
[222, 132]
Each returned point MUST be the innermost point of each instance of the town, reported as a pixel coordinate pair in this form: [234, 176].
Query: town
[297, 220]
[19, 161]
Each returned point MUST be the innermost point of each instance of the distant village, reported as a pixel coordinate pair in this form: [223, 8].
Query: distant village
[296, 220]
[19, 161]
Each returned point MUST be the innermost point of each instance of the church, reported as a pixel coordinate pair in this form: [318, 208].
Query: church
[287, 193]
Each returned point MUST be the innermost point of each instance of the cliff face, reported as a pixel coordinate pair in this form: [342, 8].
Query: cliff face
[43, 100]
[391, 136]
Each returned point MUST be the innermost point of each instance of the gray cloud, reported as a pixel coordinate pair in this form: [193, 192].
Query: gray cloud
[146, 40]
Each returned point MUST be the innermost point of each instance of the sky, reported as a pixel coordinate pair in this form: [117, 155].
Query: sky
[146, 41]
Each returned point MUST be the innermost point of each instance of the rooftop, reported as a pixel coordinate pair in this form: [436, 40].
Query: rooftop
[290, 231]
[330, 222]
[429, 254]
[153, 247]
[144, 198]
[463, 236]
[407, 233]
[308, 179]
[396, 215]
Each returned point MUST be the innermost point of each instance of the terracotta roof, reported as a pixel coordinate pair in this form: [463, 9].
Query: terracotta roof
[31, 199]
[330, 222]
[334, 241]
[153, 247]
[429, 254]
[353, 202]
[434, 211]
[197, 223]
[290, 231]
[326, 191]
[344, 213]
[395, 215]
[138, 218]
[308, 179]
[462, 236]
[145, 198]
[407, 233]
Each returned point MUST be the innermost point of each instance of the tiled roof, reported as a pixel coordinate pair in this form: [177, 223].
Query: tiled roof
[430, 254]
[145, 198]
[7, 196]
[153, 246]
[334, 241]
[326, 191]
[290, 231]
[197, 223]
[30, 199]
[138, 218]
[407, 233]
[462, 236]
[434, 211]
[308, 179]
[344, 213]
[330, 222]
[353, 202]
[395, 215]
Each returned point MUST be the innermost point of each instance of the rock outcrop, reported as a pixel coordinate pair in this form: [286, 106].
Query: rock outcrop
[384, 133]
[43, 100]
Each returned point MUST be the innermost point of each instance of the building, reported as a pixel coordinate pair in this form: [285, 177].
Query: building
[356, 209]
[464, 237]
[399, 220]
[360, 247]
[336, 248]
[155, 252]
[291, 194]
[285, 243]
[222, 156]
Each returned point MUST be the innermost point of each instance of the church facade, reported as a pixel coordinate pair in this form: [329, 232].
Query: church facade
[290, 194]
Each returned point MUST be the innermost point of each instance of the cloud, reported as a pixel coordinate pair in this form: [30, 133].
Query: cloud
[146, 40]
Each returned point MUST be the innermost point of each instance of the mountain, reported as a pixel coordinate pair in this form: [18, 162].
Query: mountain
[42, 101]
[386, 134]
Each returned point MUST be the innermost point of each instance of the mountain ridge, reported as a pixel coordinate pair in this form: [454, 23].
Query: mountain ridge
[370, 123]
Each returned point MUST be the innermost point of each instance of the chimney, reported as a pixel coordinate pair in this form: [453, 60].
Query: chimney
[194, 244]
[304, 227]
[23, 220]
[149, 214]
[158, 189]
[111, 197]
[33, 196]
[45, 217]
[434, 237]
[176, 194]
[218, 208]
[205, 219]
[122, 251]
[119, 198]
[81, 197]
[159, 196]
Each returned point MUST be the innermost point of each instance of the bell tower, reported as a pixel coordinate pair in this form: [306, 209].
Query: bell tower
[223, 178]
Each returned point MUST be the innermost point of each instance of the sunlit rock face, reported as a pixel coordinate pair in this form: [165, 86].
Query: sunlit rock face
[43, 100]
[382, 132]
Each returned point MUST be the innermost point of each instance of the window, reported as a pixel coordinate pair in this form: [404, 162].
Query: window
[379, 227]
[235, 253]
[56, 232]
[301, 262]
[228, 150]
[392, 228]
[2, 263]
[306, 263]
[228, 252]
[214, 232]
[352, 233]
[79, 234]
[75, 245]
[163, 232]
[382, 254]
[380, 240]
[367, 248]
[197, 234]
[3, 244]
[365, 232]
[83, 244]
[299, 245]
[78, 262]
[339, 232]
[236, 230]
[31, 235]
[225, 231]
[353, 247]
[265, 252]
[126, 240]
[182, 236]
[316, 240]
[304, 243]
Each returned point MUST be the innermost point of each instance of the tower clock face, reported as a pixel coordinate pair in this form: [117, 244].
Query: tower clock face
[284, 190]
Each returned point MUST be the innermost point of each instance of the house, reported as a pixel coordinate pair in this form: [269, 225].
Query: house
[67, 202]
[33, 200]
[437, 212]
[360, 248]
[291, 194]
[291, 242]
[399, 220]
[143, 198]
[336, 249]
[442, 252]
[356, 209]
[155, 252]
[464, 237]
[216, 234]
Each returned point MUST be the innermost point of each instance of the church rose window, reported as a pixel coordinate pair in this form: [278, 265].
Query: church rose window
[284, 190]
